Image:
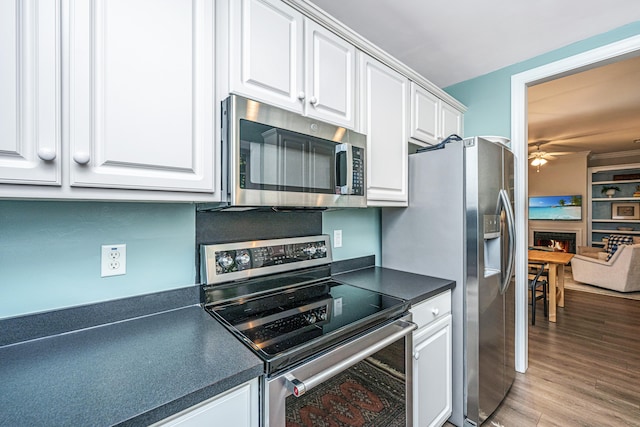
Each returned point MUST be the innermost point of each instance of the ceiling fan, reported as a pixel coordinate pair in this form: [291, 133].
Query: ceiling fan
[539, 158]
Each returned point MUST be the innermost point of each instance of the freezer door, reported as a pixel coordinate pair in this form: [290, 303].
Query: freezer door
[487, 270]
[510, 292]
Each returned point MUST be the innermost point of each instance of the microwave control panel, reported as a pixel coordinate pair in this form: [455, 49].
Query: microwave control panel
[358, 171]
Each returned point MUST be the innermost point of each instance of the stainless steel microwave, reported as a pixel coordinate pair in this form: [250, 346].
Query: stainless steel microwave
[274, 157]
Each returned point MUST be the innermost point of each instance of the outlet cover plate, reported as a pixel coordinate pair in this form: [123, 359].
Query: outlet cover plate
[113, 261]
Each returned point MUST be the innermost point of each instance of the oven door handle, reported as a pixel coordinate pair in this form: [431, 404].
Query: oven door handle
[298, 387]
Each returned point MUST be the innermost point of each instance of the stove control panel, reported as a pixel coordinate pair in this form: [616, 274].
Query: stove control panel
[232, 261]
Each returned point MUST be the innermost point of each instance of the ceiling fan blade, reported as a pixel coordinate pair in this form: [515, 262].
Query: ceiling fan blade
[560, 153]
[549, 157]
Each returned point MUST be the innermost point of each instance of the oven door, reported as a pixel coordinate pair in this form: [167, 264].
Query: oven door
[365, 381]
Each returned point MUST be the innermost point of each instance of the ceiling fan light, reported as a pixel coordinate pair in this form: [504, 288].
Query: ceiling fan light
[538, 161]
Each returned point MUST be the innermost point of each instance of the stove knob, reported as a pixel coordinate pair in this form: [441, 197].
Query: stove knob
[322, 249]
[243, 259]
[225, 261]
[322, 315]
[310, 318]
[309, 250]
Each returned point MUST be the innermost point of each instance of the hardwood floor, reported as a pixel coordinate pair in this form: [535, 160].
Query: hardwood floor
[584, 370]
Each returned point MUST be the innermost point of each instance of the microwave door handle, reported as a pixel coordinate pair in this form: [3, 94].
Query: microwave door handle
[344, 166]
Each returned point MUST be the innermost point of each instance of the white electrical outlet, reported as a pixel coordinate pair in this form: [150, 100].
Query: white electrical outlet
[113, 260]
[337, 238]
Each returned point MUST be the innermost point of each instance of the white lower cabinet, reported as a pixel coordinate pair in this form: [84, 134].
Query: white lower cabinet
[237, 407]
[432, 363]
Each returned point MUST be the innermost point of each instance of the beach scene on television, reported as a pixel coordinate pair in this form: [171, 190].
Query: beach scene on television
[556, 208]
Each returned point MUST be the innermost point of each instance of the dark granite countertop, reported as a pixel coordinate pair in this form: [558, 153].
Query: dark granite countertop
[408, 286]
[130, 372]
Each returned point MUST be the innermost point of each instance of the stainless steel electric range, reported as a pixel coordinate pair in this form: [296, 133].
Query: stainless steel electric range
[278, 297]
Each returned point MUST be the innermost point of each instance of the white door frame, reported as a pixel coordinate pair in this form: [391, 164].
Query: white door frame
[519, 83]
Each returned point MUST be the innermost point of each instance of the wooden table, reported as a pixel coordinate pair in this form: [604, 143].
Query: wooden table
[556, 261]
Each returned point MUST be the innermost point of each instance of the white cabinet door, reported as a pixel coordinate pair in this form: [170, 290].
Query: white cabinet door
[385, 95]
[432, 119]
[330, 76]
[425, 115]
[432, 367]
[30, 133]
[451, 121]
[141, 94]
[266, 52]
[237, 407]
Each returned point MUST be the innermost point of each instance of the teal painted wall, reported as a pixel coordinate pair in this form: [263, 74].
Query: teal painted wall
[360, 232]
[488, 97]
[50, 252]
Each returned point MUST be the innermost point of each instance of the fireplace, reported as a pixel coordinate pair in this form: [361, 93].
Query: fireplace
[555, 240]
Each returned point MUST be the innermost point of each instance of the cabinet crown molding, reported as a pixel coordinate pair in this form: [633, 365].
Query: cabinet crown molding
[323, 18]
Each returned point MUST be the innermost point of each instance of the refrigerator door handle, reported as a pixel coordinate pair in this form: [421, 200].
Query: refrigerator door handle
[504, 198]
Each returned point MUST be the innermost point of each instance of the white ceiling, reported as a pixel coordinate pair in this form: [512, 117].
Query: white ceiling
[596, 110]
[449, 41]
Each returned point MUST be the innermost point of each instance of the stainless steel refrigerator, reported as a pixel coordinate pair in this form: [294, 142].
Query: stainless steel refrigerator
[459, 225]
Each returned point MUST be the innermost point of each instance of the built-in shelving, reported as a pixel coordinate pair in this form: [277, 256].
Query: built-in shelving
[600, 221]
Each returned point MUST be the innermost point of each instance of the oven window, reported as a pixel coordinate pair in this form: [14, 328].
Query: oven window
[370, 393]
[279, 160]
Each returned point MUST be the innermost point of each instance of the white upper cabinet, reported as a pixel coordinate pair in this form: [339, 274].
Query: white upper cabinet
[432, 119]
[451, 121]
[279, 57]
[425, 115]
[331, 76]
[266, 52]
[141, 94]
[30, 124]
[385, 104]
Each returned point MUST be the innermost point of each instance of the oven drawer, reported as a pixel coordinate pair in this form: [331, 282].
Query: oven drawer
[431, 309]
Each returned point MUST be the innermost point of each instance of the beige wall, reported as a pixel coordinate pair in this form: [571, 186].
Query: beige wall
[564, 175]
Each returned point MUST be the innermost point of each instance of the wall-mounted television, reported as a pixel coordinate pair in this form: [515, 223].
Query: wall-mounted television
[556, 208]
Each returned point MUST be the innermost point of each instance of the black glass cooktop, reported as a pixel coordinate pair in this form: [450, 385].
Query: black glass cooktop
[288, 325]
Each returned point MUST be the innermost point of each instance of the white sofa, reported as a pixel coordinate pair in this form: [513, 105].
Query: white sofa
[620, 273]
[600, 253]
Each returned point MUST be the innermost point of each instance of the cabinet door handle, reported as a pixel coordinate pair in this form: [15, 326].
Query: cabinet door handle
[313, 100]
[435, 311]
[81, 158]
[46, 154]
[301, 96]
[416, 355]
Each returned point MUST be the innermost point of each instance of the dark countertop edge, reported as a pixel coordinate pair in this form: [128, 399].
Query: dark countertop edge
[185, 402]
[40, 325]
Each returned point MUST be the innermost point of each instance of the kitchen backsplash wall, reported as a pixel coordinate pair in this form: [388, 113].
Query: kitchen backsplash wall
[361, 233]
[50, 251]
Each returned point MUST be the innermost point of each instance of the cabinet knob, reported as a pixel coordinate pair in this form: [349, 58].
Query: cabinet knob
[46, 154]
[81, 158]
[313, 100]
[301, 96]
[416, 355]
[435, 311]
